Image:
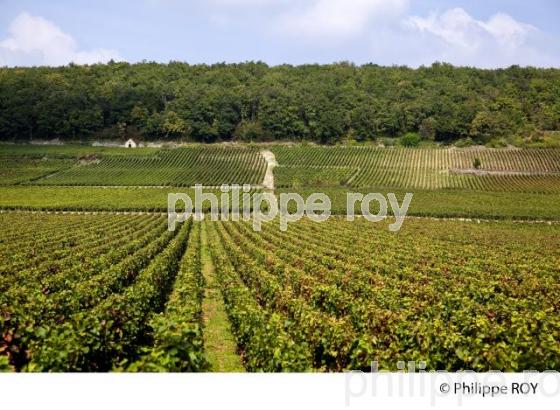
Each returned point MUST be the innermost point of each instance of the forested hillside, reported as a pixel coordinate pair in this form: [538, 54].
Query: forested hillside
[255, 102]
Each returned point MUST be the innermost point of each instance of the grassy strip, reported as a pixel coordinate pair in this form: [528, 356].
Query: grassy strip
[262, 336]
[220, 345]
[435, 203]
[453, 203]
[92, 198]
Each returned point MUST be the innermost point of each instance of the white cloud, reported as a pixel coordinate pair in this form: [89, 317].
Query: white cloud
[459, 29]
[338, 19]
[508, 31]
[34, 40]
[236, 3]
[454, 26]
[462, 39]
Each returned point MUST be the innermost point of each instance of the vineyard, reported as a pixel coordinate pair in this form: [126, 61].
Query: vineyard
[522, 184]
[92, 286]
[336, 303]
[81, 292]
[362, 167]
[179, 167]
[19, 170]
[120, 292]
[436, 203]
[447, 203]
[505, 170]
[99, 166]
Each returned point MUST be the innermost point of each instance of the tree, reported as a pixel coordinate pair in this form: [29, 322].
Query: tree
[249, 131]
[364, 122]
[410, 139]
[174, 126]
[322, 103]
[428, 128]
[487, 125]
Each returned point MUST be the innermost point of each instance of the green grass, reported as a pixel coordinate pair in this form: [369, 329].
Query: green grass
[436, 203]
[219, 343]
[90, 198]
[454, 203]
[70, 151]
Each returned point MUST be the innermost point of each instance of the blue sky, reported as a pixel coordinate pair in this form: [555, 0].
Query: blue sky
[490, 33]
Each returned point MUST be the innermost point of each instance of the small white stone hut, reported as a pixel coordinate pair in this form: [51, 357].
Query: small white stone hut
[130, 143]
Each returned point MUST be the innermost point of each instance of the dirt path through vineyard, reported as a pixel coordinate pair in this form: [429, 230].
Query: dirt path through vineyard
[268, 182]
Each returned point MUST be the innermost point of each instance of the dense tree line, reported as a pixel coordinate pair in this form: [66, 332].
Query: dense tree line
[254, 102]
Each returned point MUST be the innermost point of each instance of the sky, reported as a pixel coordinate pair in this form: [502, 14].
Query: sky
[481, 33]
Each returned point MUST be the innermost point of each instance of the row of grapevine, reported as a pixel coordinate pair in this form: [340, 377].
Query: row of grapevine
[43, 295]
[111, 332]
[67, 151]
[296, 176]
[120, 292]
[530, 160]
[386, 297]
[177, 339]
[88, 297]
[529, 170]
[448, 203]
[262, 335]
[33, 245]
[17, 170]
[176, 167]
[51, 258]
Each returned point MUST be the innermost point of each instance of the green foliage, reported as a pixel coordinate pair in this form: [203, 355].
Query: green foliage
[410, 139]
[76, 296]
[177, 333]
[249, 131]
[389, 142]
[487, 125]
[68, 151]
[175, 126]
[364, 123]
[497, 143]
[178, 348]
[464, 142]
[120, 292]
[19, 170]
[113, 330]
[476, 163]
[340, 309]
[5, 365]
[427, 129]
[297, 176]
[104, 263]
[451, 203]
[262, 335]
[321, 103]
[56, 198]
